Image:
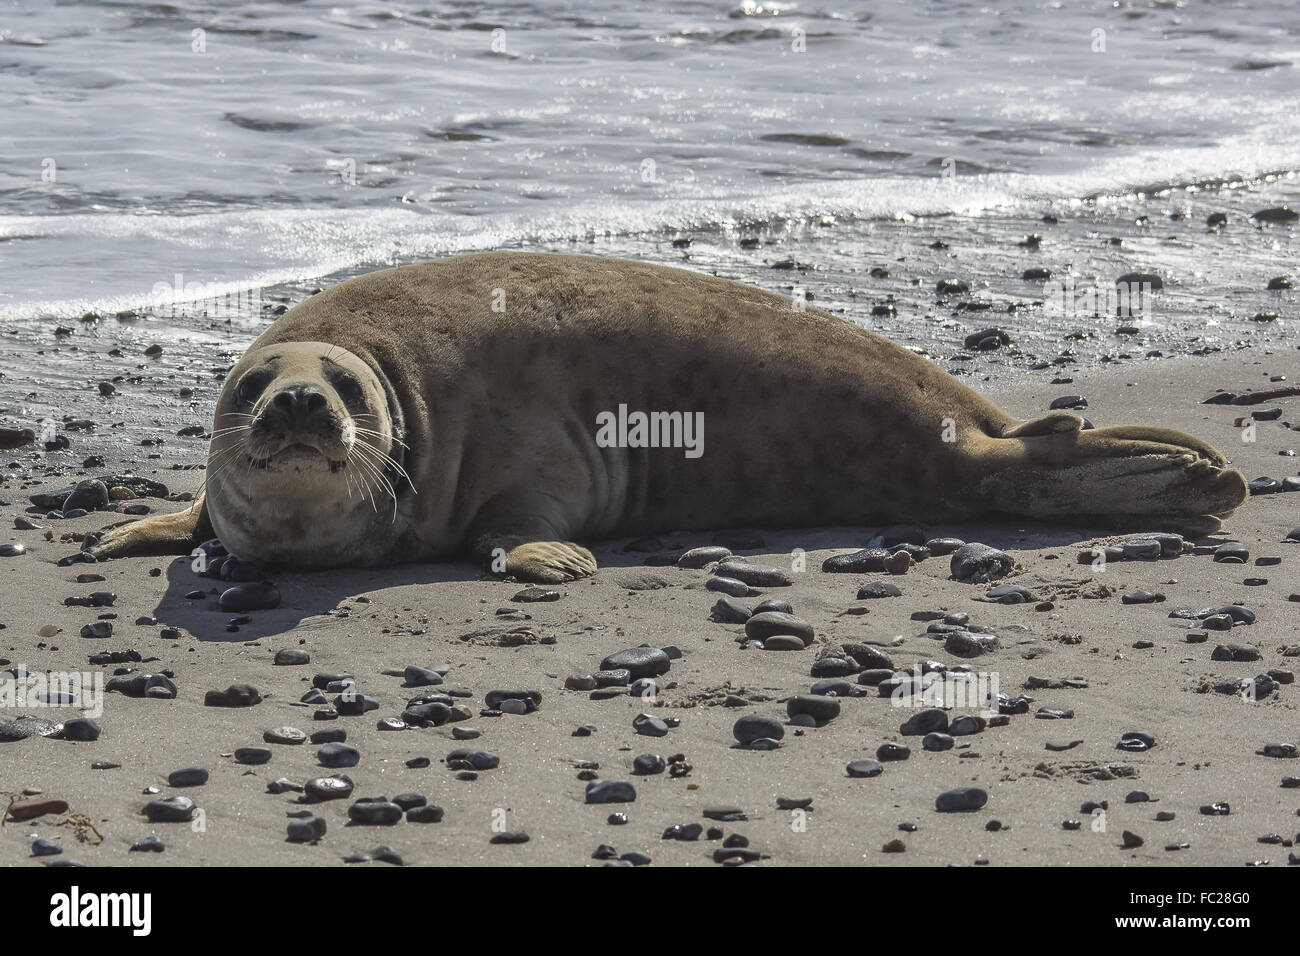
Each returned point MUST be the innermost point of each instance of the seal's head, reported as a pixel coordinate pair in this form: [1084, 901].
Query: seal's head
[307, 432]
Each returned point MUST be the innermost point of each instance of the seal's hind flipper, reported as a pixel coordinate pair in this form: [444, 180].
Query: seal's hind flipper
[177, 533]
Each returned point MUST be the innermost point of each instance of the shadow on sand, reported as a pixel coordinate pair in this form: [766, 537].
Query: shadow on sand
[308, 595]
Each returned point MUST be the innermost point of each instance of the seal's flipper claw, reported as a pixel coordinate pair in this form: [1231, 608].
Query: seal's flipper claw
[550, 562]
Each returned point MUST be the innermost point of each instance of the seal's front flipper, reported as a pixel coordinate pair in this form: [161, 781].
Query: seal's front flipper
[521, 534]
[176, 533]
[550, 562]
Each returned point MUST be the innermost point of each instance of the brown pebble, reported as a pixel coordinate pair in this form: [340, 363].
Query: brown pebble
[30, 809]
[898, 562]
[783, 642]
[236, 695]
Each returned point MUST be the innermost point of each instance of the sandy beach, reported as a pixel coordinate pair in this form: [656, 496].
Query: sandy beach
[1131, 666]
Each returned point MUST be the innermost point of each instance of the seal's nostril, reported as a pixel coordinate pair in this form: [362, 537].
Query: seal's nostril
[299, 401]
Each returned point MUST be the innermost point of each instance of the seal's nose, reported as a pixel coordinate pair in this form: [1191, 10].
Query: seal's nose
[298, 403]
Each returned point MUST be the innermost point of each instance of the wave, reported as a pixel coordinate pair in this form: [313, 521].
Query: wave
[257, 248]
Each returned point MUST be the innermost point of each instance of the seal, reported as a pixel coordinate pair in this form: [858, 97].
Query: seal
[509, 404]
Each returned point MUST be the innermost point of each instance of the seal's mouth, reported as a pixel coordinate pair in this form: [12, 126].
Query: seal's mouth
[296, 454]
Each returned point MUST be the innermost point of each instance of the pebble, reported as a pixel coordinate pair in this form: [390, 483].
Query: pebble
[1232, 552]
[700, 557]
[820, 709]
[783, 642]
[474, 759]
[648, 764]
[170, 810]
[685, 832]
[979, 563]
[832, 667]
[187, 777]
[328, 788]
[772, 623]
[754, 727]
[638, 662]
[755, 575]
[936, 742]
[99, 630]
[253, 756]
[924, 722]
[1141, 597]
[649, 725]
[967, 644]
[380, 854]
[961, 800]
[1009, 594]
[81, 729]
[335, 755]
[494, 698]
[888, 752]
[729, 611]
[374, 813]
[942, 547]
[421, 677]
[867, 657]
[878, 589]
[285, 735]
[150, 844]
[1240, 653]
[253, 596]
[1136, 741]
[864, 768]
[869, 559]
[1142, 549]
[89, 495]
[306, 830]
[729, 586]
[30, 809]
[966, 725]
[1282, 750]
[236, 695]
[610, 791]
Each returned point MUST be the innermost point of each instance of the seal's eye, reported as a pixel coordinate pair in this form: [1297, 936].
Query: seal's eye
[250, 387]
[350, 391]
